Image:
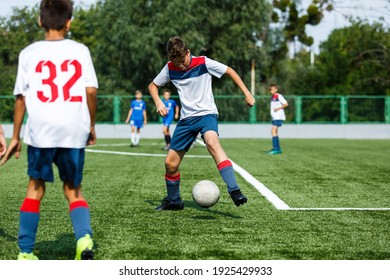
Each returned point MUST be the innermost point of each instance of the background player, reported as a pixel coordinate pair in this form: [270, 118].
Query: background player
[137, 118]
[3, 143]
[172, 113]
[56, 84]
[278, 103]
[192, 77]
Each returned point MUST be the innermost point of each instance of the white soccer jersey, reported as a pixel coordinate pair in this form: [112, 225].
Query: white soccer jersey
[193, 85]
[277, 101]
[52, 76]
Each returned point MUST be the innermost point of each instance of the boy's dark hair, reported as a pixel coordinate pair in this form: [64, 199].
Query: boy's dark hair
[55, 13]
[167, 90]
[176, 49]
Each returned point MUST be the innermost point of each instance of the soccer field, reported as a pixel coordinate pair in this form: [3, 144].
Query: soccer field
[336, 196]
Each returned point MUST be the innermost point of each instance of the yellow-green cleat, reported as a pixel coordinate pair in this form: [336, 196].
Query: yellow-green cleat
[27, 257]
[84, 248]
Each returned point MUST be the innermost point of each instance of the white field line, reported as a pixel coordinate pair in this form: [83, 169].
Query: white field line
[139, 154]
[279, 203]
[340, 209]
[128, 144]
[267, 193]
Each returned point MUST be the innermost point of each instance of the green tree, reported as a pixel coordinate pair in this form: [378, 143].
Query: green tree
[293, 18]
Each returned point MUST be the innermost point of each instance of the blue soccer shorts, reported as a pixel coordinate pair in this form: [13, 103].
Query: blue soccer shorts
[70, 163]
[167, 122]
[137, 123]
[187, 129]
[277, 123]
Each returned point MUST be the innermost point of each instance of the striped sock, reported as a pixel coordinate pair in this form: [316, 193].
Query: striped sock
[227, 172]
[173, 187]
[28, 225]
[81, 219]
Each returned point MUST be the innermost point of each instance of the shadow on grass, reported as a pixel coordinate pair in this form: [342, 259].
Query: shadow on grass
[191, 204]
[7, 236]
[63, 248]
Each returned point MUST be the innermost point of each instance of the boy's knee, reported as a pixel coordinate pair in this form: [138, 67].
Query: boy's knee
[170, 166]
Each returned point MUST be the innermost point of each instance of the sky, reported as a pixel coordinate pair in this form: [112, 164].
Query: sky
[371, 10]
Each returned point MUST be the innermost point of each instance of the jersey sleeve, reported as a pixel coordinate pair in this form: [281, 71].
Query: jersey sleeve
[21, 77]
[163, 77]
[90, 74]
[282, 99]
[215, 68]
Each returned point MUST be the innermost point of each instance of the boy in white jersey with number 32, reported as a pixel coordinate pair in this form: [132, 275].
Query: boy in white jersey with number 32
[192, 77]
[56, 84]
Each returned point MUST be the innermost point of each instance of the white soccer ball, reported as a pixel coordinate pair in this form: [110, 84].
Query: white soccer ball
[205, 193]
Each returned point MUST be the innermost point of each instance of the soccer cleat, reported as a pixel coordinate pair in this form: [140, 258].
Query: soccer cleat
[238, 198]
[168, 205]
[166, 148]
[275, 152]
[84, 248]
[27, 257]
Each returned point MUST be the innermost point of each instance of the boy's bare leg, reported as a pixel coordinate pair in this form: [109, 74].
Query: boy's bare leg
[224, 166]
[172, 180]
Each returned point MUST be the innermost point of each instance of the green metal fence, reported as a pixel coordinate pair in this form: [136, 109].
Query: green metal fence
[113, 109]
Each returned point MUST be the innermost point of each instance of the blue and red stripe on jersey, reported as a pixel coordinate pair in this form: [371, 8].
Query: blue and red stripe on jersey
[197, 68]
[275, 97]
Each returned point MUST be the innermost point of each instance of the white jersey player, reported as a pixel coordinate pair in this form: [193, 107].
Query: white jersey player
[56, 84]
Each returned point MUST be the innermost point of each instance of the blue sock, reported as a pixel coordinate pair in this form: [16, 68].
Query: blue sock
[275, 141]
[28, 225]
[81, 219]
[173, 187]
[227, 172]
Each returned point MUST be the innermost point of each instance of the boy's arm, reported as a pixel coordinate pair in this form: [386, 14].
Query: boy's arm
[3, 143]
[129, 115]
[15, 146]
[145, 117]
[177, 112]
[282, 107]
[92, 107]
[160, 107]
[249, 99]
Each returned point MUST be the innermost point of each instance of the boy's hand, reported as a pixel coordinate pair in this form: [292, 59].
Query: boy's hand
[92, 137]
[250, 100]
[14, 148]
[162, 111]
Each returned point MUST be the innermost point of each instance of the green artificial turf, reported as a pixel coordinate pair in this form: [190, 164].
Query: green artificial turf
[122, 191]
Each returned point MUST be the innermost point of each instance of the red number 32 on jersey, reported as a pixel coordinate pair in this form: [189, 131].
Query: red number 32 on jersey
[53, 86]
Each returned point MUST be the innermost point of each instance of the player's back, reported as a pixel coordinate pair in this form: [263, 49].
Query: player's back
[53, 76]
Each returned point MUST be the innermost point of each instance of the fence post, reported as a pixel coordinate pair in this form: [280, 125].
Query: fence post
[252, 114]
[298, 109]
[343, 109]
[387, 109]
[116, 109]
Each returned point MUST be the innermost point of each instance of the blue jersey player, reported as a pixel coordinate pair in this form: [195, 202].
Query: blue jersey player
[136, 117]
[192, 77]
[172, 113]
